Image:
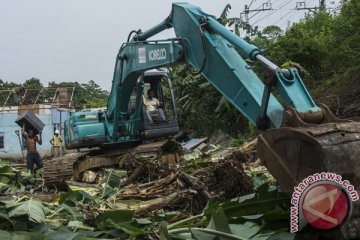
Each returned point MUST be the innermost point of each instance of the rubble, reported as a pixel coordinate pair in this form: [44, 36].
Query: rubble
[89, 177]
[149, 187]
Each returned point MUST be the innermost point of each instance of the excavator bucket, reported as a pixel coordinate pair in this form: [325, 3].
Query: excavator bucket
[293, 153]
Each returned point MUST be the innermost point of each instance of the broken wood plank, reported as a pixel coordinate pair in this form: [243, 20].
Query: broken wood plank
[79, 184]
[194, 142]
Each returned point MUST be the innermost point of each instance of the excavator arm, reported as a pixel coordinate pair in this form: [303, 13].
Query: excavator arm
[298, 143]
[298, 137]
[214, 50]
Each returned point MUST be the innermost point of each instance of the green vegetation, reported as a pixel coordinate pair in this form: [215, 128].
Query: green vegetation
[324, 46]
[86, 95]
[201, 108]
[93, 213]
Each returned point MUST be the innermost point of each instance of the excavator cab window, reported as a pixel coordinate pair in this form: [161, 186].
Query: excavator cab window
[167, 96]
[132, 100]
[160, 85]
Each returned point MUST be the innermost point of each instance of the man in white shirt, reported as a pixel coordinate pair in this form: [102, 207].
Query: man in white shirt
[152, 105]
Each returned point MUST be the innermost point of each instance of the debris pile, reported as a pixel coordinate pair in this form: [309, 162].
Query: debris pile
[147, 198]
[144, 168]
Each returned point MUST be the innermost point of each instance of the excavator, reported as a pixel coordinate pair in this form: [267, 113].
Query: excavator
[296, 138]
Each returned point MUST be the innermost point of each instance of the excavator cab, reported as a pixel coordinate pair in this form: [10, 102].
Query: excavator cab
[163, 121]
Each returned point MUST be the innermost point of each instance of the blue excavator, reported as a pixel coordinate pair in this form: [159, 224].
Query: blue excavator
[297, 137]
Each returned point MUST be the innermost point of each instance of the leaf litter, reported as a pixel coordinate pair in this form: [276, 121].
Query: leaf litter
[211, 193]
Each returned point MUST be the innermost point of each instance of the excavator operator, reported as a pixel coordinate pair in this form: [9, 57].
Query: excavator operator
[152, 107]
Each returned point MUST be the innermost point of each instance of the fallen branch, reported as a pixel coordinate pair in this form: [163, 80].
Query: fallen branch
[195, 184]
[162, 202]
[79, 184]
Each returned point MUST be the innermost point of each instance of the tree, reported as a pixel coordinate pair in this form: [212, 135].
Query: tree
[201, 108]
[33, 83]
[86, 95]
[271, 32]
[7, 85]
[98, 96]
[346, 44]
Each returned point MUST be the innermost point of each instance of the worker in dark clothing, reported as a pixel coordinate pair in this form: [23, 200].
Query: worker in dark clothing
[32, 156]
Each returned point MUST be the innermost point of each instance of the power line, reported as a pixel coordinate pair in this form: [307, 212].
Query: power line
[251, 2]
[286, 22]
[302, 6]
[281, 25]
[264, 7]
[289, 12]
[255, 15]
[286, 3]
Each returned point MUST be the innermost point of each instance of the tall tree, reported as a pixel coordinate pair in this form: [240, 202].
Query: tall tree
[7, 85]
[32, 83]
[98, 96]
[86, 95]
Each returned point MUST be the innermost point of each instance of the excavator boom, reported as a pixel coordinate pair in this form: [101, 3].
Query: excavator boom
[303, 138]
[211, 48]
[299, 138]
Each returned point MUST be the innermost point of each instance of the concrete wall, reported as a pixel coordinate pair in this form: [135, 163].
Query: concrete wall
[12, 149]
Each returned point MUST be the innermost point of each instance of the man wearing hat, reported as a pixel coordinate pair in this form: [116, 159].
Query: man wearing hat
[56, 143]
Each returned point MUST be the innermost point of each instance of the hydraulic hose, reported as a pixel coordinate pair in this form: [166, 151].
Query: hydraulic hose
[203, 42]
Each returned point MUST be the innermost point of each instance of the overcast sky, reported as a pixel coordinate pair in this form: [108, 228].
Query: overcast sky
[77, 40]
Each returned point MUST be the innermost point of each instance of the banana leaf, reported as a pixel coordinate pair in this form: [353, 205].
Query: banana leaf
[20, 235]
[31, 208]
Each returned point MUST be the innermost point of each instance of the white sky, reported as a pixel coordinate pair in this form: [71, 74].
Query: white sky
[77, 40]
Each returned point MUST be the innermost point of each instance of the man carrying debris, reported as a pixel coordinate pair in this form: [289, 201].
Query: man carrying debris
[32, 156]
[56, 143]
[152, 105]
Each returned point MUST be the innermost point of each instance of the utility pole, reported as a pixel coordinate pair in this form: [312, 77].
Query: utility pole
[247, 11]
[322, 5]
[302, 6]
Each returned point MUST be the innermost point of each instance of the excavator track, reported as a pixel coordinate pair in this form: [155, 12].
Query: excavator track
[59, 170]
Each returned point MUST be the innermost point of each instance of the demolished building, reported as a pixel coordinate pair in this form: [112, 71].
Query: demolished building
[51, 105]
